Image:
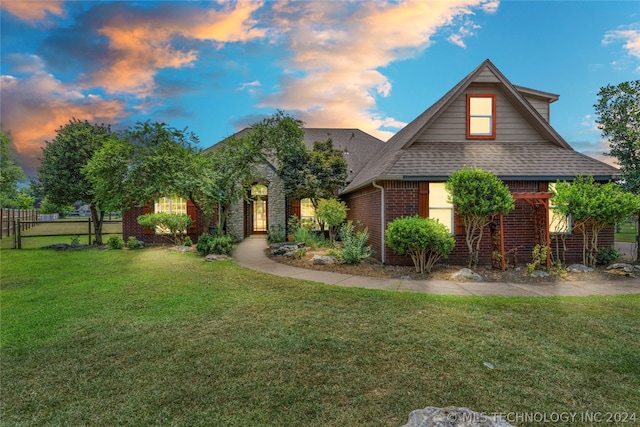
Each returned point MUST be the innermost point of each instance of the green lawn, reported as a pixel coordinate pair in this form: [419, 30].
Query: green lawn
[627, 231]
[154, 337]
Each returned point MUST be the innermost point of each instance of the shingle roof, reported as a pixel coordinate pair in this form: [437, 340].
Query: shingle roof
[511, 160]
[359, 147]
[402, 157]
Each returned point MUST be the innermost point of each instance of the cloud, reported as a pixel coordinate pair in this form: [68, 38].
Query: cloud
[631, 37]
[33, 107]
[466, 30]
[141, 42]
[491, 7]
[249, 85]
[339, 47]
[33, 11]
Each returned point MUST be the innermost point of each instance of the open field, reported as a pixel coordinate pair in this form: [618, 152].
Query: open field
[154, 337]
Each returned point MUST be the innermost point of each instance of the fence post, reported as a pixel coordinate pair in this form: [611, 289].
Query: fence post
[19, 233]
[89, 230]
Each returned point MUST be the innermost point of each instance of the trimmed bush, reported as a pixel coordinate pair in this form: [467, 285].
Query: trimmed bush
[174, 224]
[219, 244]
[276, 234]
[607, 256]
[424, 239]
[115, 242]
[133, 243]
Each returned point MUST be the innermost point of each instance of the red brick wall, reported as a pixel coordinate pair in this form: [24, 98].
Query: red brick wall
[402, 197]
[130, 226]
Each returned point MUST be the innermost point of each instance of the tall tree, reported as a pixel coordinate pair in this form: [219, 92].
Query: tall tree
[618, 116]
[11, 173]
[61, 175]
[315, 174]
[479, 197]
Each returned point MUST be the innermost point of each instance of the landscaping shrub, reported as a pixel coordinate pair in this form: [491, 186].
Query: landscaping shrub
[355, 244]
[276, 234]
[133, 243]
[176, 225]
[187, 241]
[220, 244]
[539, 257]
[424, 239]
[115, 242]
[607, 256]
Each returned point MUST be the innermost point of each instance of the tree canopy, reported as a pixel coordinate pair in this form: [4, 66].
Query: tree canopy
[11, 174]
[479, 197]
[61, 174]
[593, 206]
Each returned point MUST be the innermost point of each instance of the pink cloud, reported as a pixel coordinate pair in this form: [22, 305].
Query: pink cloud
[33, 11]
[140, 45]
[339, 48]
[34, 107]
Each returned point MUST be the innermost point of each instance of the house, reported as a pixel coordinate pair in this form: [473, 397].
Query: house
[487, 122]
[484, 121]
[267, 205]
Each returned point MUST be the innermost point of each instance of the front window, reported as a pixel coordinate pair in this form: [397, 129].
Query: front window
[308, 218]
[172, 205]
[481, 116]
[439, 207]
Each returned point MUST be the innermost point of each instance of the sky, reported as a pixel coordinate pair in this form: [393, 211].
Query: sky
[217, 67]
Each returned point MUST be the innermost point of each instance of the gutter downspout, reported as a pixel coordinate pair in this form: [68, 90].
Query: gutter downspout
[382, 252]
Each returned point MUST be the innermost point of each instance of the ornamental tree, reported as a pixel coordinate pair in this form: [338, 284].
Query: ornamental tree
[479, 197]
[333, 212]
[426, 240]
[592, 207]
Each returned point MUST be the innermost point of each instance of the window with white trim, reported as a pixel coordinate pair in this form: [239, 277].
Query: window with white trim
[308, 216]
[439, 207]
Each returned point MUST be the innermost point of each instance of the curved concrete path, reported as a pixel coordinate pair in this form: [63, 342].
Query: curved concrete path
[251, 253]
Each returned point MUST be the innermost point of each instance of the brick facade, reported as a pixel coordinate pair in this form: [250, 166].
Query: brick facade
[130, 227]
[402, 199]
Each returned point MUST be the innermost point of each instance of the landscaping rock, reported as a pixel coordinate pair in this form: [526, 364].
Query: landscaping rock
[323, 259]
[579, 268]
[285, 249]
[539, 273]
[629, 268]
[466, 273]
[65, 247]
[405, 277]
[215, 257]
[182, 248]
[452, 417]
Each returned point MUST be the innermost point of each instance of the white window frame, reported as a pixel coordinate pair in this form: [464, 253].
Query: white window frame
[438, 187]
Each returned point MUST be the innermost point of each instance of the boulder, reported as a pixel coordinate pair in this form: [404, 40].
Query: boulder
[629, 268]
[66, 247]
[579, 268]
[285, 249]
[466, 273]
[539, 273]
[323, 259]
[215, 257]
[182, 248]
[453, 417]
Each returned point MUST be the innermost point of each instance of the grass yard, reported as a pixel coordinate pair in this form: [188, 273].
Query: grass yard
[154, 337]
[627, 231]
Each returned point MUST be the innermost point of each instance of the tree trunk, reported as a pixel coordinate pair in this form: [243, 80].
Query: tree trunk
[638, 241]
[97, 218]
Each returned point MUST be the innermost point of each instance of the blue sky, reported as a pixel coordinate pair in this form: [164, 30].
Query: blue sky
[217, 67]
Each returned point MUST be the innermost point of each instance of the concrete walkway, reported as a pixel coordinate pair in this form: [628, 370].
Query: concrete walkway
[250, 253]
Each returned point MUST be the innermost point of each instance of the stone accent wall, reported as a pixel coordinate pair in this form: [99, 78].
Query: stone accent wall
[276, 202]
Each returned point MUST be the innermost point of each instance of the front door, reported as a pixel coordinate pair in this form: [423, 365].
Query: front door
[259, 209]
[259, 216]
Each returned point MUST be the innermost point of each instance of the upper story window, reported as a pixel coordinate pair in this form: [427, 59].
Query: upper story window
[481, 116]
